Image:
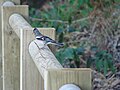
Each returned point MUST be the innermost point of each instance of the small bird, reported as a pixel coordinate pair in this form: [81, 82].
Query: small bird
[46, 40]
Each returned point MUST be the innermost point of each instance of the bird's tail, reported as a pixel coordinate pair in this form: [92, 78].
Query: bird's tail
[58, 44]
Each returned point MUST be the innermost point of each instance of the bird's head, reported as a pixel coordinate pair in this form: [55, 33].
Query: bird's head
[36, 32]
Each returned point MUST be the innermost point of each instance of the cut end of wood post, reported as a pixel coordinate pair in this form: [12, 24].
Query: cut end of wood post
[18, 22]
[69, 87]
[8, 3]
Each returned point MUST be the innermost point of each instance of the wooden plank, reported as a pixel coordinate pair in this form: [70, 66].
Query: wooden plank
[55, 78]
[32, 79]
[1, 75]
[11, 48]
[1, 79]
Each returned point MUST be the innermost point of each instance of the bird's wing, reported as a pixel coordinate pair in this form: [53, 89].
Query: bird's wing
[48, 39]
[51, 41]
[39, 37]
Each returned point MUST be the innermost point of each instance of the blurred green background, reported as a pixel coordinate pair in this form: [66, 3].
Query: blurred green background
[88, 28]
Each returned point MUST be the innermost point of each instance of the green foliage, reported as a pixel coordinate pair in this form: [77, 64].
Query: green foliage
[61, 37]
[67, 10]
[103, 62]
[80, 50]
[64, 16]
[67, 53]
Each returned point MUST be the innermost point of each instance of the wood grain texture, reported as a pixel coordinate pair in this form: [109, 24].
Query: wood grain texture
[11, 48]
[18, 22]
[32, 79]
[1, 79]
[42, 56]
[55, 78]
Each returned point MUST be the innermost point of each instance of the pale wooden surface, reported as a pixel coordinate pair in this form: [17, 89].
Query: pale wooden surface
[8, 3]
[32, 79]
[55, 78]
[43, 57]
[1, 76]
[17, 2]
[11, 49]
[1, 79]
[17, 22]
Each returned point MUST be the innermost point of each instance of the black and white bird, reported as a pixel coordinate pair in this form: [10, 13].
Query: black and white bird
[45, 39]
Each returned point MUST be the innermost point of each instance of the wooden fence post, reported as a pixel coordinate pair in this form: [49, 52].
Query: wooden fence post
[11, 48]
[1, 75]
[1, 61]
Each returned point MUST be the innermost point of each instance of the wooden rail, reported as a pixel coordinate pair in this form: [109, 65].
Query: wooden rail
[23, 60]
